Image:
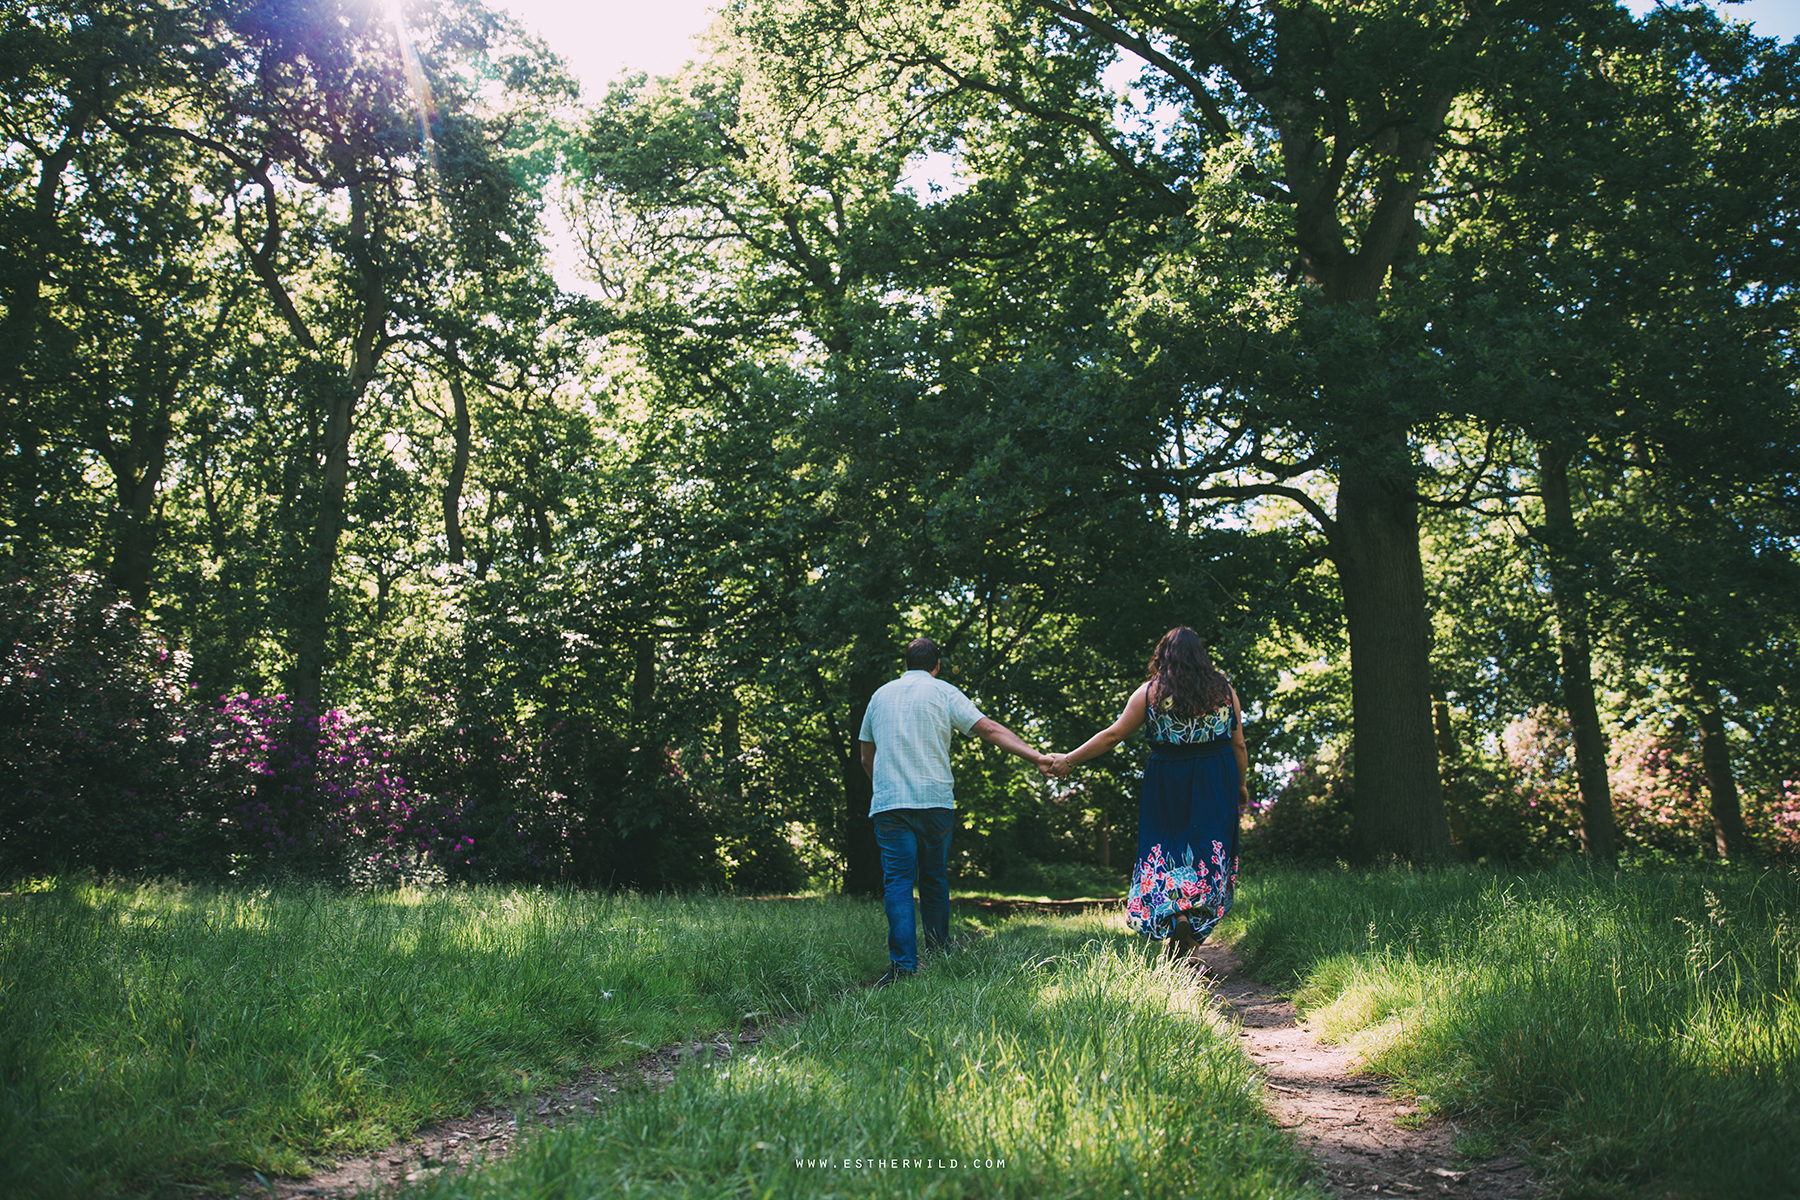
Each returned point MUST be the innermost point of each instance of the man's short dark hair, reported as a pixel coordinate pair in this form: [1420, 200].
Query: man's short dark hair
[921, 654]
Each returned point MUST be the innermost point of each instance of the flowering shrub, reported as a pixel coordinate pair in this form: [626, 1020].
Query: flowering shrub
[90, 748]
[1533, 791]
[1525, 803]
[1775, 815]
[1659, 794]
[111, 763]
[515, 813]
[1309, 820]
[318, 792]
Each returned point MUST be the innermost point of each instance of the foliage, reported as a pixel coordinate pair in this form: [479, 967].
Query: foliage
[1308, 820]
[1658, 786]
[611, 574]
[318, 794]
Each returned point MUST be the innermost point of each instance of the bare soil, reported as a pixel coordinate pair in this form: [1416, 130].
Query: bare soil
[1007, 907]
[1366, 1142]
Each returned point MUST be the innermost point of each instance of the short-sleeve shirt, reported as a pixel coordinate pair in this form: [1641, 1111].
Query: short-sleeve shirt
[911, 722]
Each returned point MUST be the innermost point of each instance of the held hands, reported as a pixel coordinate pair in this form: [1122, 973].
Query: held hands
[1055, 766]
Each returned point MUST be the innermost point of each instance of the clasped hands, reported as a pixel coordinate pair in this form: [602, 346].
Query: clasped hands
[1055, 766]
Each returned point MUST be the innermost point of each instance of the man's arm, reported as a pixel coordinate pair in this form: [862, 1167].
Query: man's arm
[990, 730]
[868, 758]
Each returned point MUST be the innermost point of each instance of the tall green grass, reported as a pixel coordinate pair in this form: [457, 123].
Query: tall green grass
[1642, 1027]
[1046, 1061]
[160, 1035]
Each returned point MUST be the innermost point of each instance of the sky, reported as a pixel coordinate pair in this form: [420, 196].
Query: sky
[1770, 18]
[602, 39]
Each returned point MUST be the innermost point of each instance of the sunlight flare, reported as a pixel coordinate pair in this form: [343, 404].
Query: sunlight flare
[423, 104]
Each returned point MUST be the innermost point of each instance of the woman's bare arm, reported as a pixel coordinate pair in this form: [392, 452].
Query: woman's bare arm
[1113, 734]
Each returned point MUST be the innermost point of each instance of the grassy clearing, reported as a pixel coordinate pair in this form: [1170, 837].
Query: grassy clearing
[1640, 1028]
[1643, 1027]
[162, 1035]
[1027, 880]
[1045, 1061]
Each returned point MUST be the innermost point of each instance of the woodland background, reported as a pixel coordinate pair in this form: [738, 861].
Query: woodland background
[1435, 360]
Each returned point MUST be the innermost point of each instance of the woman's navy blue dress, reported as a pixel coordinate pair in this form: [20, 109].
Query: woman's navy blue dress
[1187, 856]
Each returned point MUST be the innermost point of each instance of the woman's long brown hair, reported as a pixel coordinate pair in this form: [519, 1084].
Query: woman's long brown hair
[1183, 681]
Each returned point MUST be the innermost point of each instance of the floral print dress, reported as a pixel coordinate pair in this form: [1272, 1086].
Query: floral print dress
[1187, 858]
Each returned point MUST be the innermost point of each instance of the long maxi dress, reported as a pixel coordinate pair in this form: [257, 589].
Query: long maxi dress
[1187, 854]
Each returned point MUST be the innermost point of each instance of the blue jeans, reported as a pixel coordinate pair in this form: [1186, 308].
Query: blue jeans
[915, 844]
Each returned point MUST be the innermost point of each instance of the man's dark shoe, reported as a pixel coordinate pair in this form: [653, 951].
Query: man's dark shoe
[894, 975]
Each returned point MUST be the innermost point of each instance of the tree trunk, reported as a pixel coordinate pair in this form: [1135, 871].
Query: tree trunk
[341, 399]
[313, 604]
[459, 467]
[1729, 834]
[643, 694]
[1399, 802]
[1449, 770]
[137, 474]
[1449, 748]
[862, 859]
[1568, 596]
[731, 749]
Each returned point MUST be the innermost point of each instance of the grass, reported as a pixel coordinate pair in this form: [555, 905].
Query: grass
[1640, 1029]
[1045, 1061]
[160, 1036]
[1637, 1031]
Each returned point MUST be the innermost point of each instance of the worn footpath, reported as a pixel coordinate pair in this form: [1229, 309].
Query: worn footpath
[491, 1133]
[1365, 1141]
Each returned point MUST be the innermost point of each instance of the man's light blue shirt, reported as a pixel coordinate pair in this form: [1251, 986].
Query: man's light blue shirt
[911, 722]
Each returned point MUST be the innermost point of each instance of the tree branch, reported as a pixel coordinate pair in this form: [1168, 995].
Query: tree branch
[1196, 90]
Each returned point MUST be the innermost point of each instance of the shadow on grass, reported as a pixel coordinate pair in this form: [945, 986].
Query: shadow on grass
[1042, 1062]
[159, 1036]
[1635, 1027]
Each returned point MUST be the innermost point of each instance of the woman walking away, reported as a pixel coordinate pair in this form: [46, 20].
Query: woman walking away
[1194, 788]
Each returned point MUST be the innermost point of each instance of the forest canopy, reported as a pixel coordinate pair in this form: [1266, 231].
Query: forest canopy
[1435, 361]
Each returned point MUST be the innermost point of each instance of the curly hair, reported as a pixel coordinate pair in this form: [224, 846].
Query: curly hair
[1183, 680]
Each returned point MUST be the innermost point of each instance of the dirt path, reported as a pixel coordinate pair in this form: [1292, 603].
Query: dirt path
[490, 1133]
[1348, 1120]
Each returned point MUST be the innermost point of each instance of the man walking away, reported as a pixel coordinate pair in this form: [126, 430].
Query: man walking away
[906, 754]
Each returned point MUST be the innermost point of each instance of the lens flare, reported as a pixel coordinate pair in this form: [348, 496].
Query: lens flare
[417, 84]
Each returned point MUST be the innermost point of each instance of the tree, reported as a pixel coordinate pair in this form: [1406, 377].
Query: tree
[1341, 120]
[367, 175]
[1657, 306]
[727, 242]
[102, 259]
